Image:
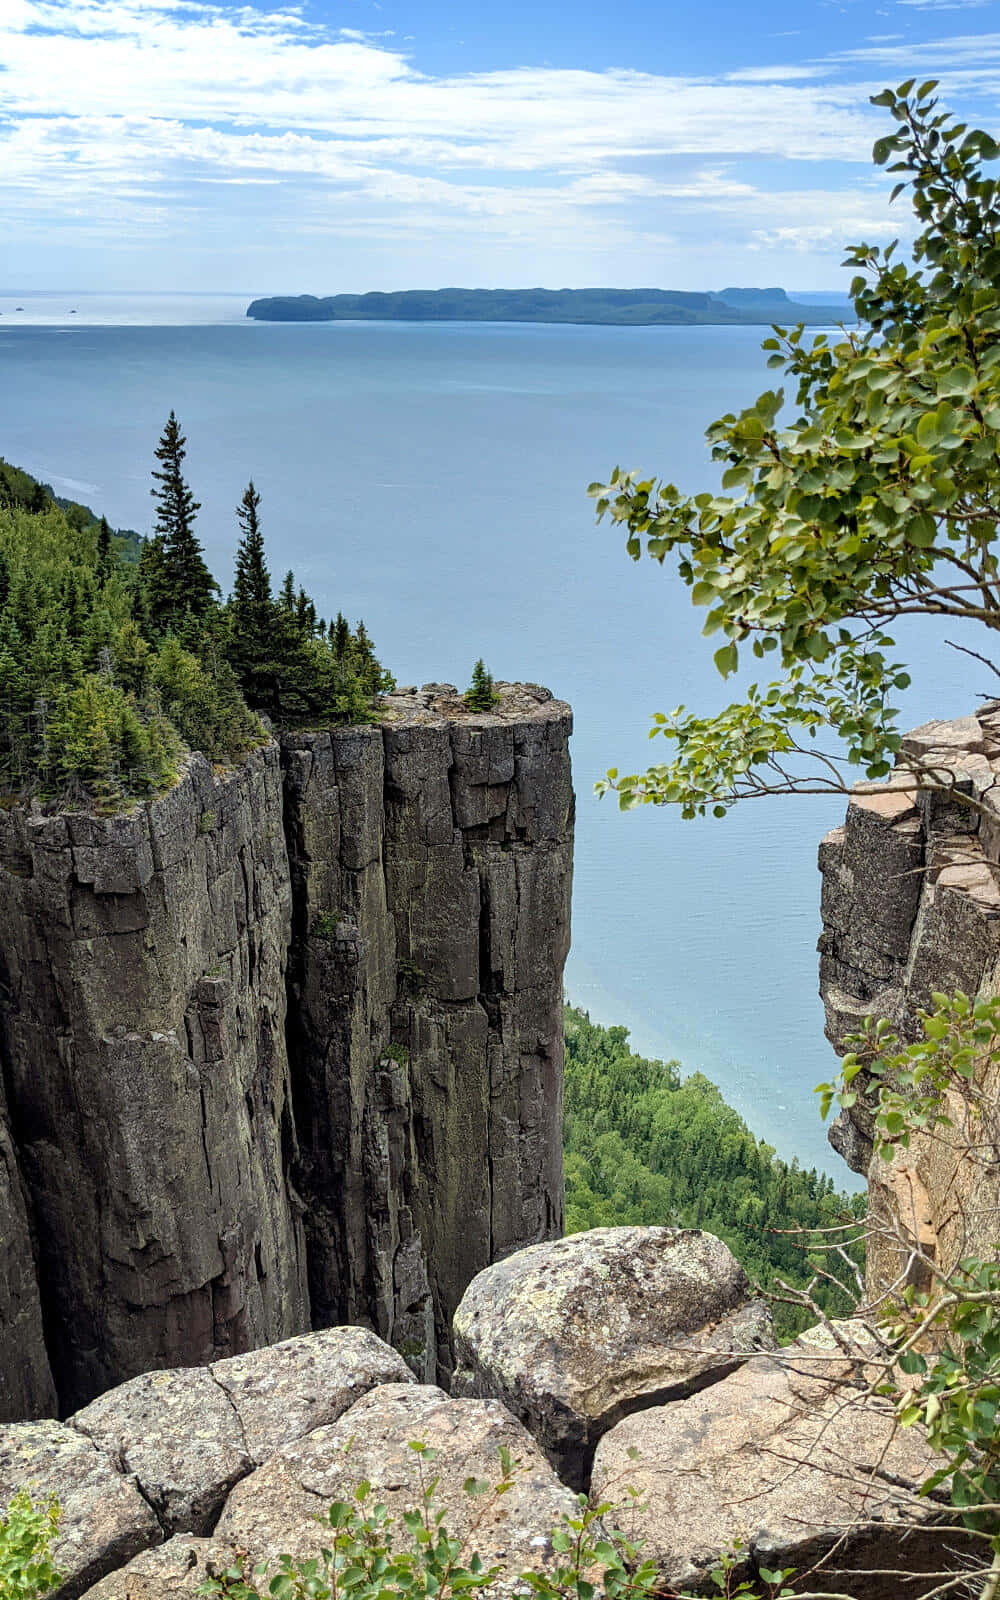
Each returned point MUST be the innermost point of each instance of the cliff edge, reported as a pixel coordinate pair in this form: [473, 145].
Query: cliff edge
[911, 904]
[283, 1046]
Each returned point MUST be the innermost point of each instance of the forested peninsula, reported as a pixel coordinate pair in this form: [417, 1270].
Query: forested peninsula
[613, 307]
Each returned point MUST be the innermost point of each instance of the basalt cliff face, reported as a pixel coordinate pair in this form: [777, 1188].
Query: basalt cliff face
[911, 905]
[282, 1048]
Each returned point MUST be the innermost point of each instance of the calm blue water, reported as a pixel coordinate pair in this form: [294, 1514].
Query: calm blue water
[431, 479]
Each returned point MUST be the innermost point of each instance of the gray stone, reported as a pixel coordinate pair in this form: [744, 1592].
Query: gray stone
[274, 1511]
[574, 1335]
[178, 1435]
[152, 1108]
[789, 1457]
[286, 1391]
[104, 1520]
[26, 1386]
[434, 1034]
[188, 1435]
[172, 1571]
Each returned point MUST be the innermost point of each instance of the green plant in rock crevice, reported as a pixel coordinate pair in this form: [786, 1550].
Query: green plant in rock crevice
[27, 1571]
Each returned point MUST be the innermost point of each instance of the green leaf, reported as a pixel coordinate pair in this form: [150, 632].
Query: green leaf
[726, 660]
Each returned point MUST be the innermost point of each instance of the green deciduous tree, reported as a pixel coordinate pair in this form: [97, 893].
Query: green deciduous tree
[876, 499]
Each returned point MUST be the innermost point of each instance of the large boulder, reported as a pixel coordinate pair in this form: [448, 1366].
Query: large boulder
[574, 1335]
[791, 1459]
[187, 1435]
[104, 1520]
[274, 1511]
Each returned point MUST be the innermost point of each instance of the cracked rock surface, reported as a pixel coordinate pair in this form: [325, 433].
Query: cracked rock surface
[574, 1334]
[431, 862]
[104, 1519]
[142, 1040]
[911, 904]
[789, 1457]
[274, 1510]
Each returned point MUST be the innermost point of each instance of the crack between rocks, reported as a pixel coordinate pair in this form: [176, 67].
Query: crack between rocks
[116, 1458]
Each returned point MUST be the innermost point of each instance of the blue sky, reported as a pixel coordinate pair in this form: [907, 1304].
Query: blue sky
[355, 144]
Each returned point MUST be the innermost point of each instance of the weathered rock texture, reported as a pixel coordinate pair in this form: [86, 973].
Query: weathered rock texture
[574, 1335]
[788, 1457]
[274, 1511]
[104, 1521]
[432, 861]
[166, 1137]
[160, 1454]
[186, 1435]
[142, 1009]
[911, 904]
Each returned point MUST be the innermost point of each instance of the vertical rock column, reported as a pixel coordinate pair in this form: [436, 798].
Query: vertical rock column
[142, 1011]
[426, 1001]
[911, 905]
[26, 1387]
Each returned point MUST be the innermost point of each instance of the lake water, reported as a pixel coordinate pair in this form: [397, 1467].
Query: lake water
[431, 479]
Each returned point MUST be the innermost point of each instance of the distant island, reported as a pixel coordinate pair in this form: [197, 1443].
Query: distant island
[618, 307]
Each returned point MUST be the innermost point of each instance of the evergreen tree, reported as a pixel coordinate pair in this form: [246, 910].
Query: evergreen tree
[288, 592]
[256, 633]
[105, 563]
[340, 636]
[481, 695]
[252, 583]
[181, 588]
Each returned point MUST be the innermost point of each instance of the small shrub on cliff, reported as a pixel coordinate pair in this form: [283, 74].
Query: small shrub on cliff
[27, 1571]
[481, 695]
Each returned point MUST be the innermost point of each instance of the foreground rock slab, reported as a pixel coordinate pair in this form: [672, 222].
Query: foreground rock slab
[172, 1571]
[273, 1512]
[790, 1459]
[188, 1435]
[104, 1520]
[572, 1336]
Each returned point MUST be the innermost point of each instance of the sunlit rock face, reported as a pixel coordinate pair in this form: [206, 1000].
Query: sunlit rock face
[911, 905]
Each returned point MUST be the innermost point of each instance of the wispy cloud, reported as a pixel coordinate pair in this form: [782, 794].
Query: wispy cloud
[135, 115]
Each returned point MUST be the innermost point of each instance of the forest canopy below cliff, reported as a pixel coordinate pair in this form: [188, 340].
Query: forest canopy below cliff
[642, 1144]
[118, 654]
[616, 307]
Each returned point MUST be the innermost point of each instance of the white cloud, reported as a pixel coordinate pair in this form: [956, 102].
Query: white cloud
[150, 117]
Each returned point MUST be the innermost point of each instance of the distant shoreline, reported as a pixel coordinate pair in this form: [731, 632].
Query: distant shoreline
[582, 307]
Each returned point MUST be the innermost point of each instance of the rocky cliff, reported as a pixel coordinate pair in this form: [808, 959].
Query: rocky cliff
[911, 904]
[431, 860]
[190, 1166]
[635, 1362]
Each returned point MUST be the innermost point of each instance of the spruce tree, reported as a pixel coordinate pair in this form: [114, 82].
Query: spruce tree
[254, 624]
[104, 565]
[340, 636]
[182, 586]
[481, 695]
[252, 583]
[288, 592]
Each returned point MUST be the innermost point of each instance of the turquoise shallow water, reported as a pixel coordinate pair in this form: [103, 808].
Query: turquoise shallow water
[432, 480]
